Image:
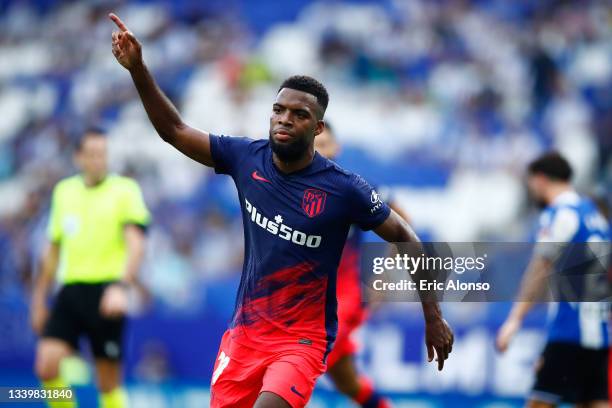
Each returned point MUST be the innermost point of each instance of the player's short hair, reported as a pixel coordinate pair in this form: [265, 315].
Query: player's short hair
[89, 132]
[309, 85]
[553, 165]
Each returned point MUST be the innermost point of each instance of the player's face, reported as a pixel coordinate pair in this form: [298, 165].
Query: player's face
[536, 184]
[293, 124]
[326, 144]
[92, 158]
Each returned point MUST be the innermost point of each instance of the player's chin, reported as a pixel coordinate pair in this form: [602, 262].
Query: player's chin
[283, 138]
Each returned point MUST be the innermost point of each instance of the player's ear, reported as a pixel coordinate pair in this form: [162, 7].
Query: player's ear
[320, 127]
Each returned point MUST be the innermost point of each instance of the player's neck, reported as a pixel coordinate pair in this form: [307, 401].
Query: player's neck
[91, 181]
[556, 190]
[287, 167]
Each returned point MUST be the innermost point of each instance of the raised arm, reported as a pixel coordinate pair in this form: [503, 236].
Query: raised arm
[162, 113]
[438, 334]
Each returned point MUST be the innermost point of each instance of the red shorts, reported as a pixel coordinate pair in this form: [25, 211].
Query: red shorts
[349, 320]
[241, 373]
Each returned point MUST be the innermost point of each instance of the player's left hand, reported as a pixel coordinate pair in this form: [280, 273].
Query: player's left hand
[114, 302]
[506, 333]
[439, 337]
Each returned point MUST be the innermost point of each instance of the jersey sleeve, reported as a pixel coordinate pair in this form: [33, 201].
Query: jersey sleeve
[367, 208]
[134, 208]
[227, 152]
[556, 231]
[54, 226]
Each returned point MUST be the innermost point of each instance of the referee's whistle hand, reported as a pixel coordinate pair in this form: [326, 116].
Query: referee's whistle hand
[114, 302]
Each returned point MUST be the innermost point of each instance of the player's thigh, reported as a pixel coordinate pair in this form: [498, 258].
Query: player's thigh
[348, 323]
[270, 400]
[105, 334]
[49, 354]
[344, 375]
[292, 378]
[106, 338]
[108, 374]
[237, 376]
[594, 369]
[558, 376]
[60, 335]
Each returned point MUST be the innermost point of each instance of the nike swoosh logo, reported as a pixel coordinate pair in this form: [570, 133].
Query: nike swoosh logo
[258, 177]
[293, 389]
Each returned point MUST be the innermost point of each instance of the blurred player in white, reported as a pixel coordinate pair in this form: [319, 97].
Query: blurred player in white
[573, 366]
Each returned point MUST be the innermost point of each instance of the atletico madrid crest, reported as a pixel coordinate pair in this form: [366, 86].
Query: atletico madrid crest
[313, 202]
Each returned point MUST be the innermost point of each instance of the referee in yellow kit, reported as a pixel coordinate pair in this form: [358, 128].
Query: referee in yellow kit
[96, 237]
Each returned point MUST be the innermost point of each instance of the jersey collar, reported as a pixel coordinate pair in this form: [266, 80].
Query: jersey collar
[569, 197]
[316, 163]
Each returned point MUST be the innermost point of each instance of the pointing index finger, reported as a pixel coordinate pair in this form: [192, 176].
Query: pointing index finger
[118, 21]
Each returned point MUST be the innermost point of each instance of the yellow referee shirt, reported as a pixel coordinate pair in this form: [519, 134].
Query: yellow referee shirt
[88, 222]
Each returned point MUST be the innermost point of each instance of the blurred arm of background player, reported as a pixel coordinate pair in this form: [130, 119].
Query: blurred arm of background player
[163, 115]
[532, 291]
[438, 334]
[114, 302]
[42, 287]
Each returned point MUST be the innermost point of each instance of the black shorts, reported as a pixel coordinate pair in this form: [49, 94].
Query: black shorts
[76, 312]
[570, 373]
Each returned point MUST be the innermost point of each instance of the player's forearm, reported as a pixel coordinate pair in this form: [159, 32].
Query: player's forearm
[429, 303]
[520, 310]
[395, 207]
[45, 278]
[532, 287]
[535, 280]
[132, 267]
[161, 112]
[135, 254]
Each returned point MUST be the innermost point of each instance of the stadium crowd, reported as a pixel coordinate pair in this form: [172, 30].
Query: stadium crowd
[469, 91]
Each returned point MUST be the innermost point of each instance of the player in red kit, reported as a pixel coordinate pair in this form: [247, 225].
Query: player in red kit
[352, 310]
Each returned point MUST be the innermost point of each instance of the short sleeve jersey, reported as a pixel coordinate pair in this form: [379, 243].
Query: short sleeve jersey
[572, 219]
[295, 227]
[88, 222]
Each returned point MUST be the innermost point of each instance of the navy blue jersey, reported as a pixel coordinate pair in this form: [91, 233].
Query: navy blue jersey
[295, 227]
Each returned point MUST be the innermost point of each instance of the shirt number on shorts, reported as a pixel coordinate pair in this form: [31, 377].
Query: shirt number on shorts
[223, 362]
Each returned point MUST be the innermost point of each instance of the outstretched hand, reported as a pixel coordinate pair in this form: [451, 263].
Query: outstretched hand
[126, 48]
[439, 337]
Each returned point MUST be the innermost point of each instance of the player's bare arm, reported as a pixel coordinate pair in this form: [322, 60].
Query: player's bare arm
[162, 113]
[114, 302]
[43, 284]
[400, 211]
[438, 334]
[532, 290]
